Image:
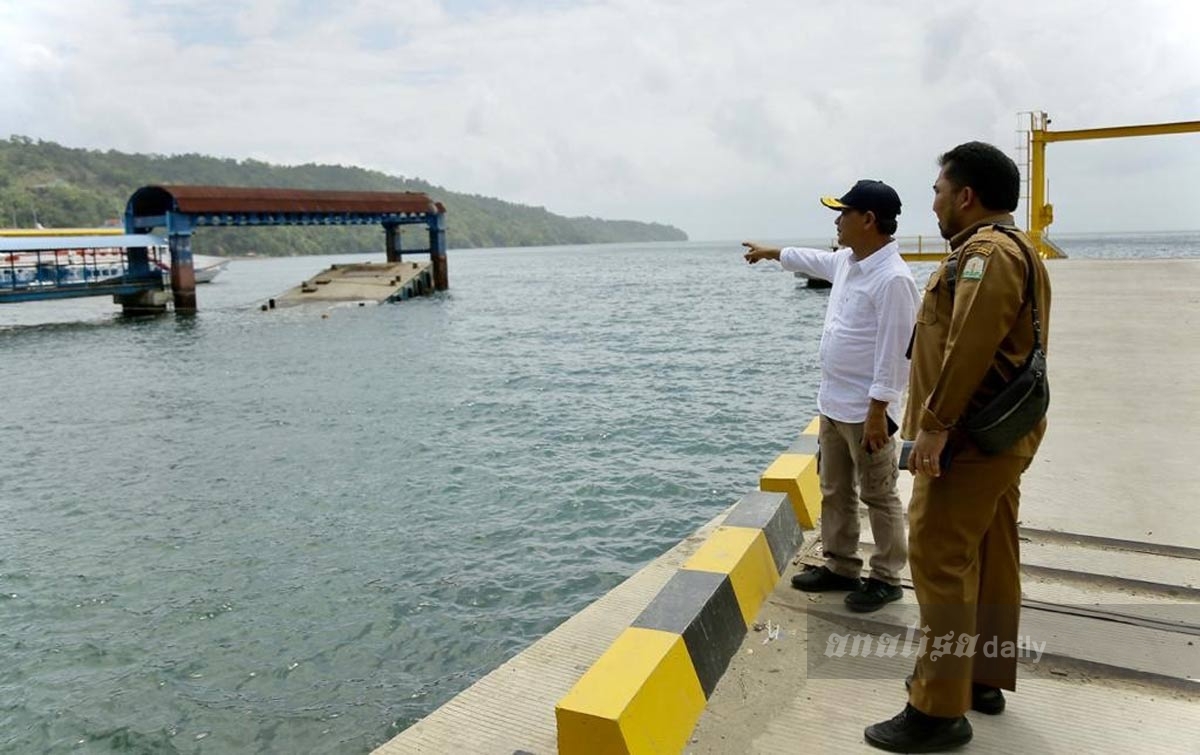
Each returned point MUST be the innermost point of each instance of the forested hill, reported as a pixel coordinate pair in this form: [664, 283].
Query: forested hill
[68, 187]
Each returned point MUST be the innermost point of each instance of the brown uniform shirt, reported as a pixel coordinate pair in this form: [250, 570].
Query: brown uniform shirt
[967, 347]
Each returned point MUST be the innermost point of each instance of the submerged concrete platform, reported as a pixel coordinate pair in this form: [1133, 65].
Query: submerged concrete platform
[1110, 561]
[364, 281]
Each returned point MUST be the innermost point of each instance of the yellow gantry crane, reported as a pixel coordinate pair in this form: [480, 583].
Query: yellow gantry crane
[1039, 212]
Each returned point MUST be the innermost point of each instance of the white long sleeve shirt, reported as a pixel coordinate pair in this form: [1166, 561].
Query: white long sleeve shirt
[872, 306]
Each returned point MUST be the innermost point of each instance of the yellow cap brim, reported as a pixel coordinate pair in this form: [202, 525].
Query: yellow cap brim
[833, 203]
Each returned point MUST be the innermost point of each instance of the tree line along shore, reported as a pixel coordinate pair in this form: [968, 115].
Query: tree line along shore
[48, 184]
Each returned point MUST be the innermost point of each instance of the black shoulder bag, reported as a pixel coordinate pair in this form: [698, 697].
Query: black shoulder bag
[1018, 408]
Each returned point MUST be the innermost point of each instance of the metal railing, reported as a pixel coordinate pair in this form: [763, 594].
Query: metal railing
[924, 246]
[30, 274]
[69, 267]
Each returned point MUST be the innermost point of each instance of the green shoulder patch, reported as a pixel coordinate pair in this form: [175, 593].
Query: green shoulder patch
[973, 268]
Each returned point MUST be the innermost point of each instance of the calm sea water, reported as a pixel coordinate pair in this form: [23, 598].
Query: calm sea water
[303, 530]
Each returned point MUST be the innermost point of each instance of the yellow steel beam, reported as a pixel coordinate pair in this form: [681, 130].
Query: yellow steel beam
[922, 256]
[1041, 212]
[1114, 132]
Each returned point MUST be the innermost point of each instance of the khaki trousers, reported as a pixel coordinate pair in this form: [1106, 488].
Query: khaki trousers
[845, 469]
[965, 560]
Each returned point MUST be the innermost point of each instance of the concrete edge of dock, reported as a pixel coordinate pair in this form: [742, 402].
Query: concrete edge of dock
[512, 709]
[1087, 492]
[598, 682]
[649, 688]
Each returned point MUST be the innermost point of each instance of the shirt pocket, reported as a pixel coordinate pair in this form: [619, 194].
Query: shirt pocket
[859, 313]
[927, 315]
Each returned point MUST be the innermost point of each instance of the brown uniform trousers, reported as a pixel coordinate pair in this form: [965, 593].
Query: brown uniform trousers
[963, 545]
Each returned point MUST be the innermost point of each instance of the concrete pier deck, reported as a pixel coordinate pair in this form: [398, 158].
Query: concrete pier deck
[364, 281]
[1111, 562]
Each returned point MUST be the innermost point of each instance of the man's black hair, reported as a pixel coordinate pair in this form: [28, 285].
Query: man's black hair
[991, 173]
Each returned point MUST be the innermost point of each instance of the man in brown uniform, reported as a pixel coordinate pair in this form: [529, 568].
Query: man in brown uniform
[974, 330]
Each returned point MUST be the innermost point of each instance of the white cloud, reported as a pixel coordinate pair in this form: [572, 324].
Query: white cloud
[725, 119]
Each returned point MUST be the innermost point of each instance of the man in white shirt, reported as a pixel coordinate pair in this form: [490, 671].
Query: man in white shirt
[864, 371]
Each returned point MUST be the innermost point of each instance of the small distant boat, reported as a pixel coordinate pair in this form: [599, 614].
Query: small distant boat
[206, 268]
[811, 281]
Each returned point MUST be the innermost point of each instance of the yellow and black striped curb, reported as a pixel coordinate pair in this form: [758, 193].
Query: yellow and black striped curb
[794, 472]
[646, 692]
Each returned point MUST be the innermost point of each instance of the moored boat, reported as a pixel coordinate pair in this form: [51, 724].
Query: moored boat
[42, 264]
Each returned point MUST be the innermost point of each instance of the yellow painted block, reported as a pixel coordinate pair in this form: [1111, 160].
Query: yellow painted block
[743, 554]
[814, 427]
[796, 475]
[641, 696]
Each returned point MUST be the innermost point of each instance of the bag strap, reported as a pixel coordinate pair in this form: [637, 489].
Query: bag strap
[1014, 233]
[952, 279]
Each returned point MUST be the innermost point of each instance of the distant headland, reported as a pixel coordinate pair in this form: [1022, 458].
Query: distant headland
[45, 183]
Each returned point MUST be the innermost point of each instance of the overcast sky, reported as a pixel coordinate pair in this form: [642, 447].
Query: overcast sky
[725, 119]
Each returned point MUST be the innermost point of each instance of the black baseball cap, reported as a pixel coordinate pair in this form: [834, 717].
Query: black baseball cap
[867, 196]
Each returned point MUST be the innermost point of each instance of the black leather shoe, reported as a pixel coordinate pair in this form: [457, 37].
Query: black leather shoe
[820, 579]
[984, 699]
[873, 595]
[914, 731]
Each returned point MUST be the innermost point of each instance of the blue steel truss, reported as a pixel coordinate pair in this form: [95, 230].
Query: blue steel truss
[180, 210]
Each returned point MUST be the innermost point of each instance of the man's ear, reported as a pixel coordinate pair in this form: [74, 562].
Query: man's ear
[870, 219]
[966, 197]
